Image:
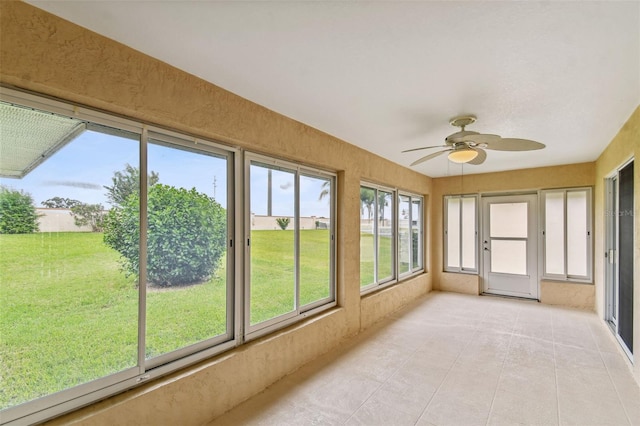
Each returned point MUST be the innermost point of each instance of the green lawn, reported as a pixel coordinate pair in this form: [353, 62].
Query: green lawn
[68, 314]
[385, 268]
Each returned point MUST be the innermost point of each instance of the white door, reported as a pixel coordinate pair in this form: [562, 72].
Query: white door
[510, 245]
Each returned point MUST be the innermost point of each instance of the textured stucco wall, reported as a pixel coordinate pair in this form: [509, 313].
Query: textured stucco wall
[580, 296]
[624, 146]
[571, 175]
[42, 53]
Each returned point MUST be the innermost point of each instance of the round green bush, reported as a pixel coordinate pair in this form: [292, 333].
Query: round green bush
[17, 213]
[186, 236]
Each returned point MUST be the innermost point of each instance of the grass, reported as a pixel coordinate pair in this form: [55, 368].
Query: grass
[69, 315]
[367, 266]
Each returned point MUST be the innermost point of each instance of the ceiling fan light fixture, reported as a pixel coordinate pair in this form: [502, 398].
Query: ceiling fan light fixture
[462, 155]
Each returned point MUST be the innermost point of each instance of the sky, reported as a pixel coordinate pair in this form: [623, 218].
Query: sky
[82, 168]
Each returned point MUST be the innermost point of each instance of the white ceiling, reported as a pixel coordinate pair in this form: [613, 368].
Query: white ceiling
[388, 76]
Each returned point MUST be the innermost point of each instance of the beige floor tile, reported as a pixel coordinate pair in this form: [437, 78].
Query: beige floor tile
[525, 396]
[454, 410]
[531, 352]
[410, 400]
[416, 384]
[338, 399]
[588, 397]
[573, 357]
[453, 359]
[376, 413]
[628, 392]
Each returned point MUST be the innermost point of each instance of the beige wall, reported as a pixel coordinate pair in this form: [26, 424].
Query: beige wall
[58, 220]
[623, 147]
[44, 54]
[571, 175]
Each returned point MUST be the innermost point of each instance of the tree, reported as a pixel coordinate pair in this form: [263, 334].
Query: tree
[17, 212]
[127, 182]
[367, 199]
[283, 222]
[186, 237]
[89, 214]
[325, 190]
[60, 203]
[382, 203]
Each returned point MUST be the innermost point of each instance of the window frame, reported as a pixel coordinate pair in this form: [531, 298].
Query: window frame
[300, 312]
[565, 277]
[396, 275]
[377, 283]
[55, 404]
[238, 216]
[420, 223]
[445, 261]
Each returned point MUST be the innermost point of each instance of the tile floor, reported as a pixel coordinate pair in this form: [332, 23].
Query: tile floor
[452, 359]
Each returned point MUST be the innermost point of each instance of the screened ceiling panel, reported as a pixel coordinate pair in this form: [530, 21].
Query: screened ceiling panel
[29, 137]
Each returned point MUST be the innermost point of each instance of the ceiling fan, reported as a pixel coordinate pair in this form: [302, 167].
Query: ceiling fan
[469, 147]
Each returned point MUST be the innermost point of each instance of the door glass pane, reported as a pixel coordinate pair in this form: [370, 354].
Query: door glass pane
[453, 232]
[367, 235]
[554, 232]
[315, 239]
[469, 233]
[272, 201]
[404, 237]
[186, 248]
[416, 233]
[508, 220]
[509, 257]
[577, 242]
[386, 234]
[69, 313]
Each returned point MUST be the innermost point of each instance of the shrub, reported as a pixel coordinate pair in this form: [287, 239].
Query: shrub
[186, 235]
[17, 212]
[283, 222]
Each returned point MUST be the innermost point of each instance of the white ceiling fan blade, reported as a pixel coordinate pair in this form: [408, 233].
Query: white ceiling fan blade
[513, 144]
[482, 155]
[425, 147]
[480, 138]
[429, 157]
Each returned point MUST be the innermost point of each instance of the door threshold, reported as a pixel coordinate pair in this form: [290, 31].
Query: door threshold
[505, 296]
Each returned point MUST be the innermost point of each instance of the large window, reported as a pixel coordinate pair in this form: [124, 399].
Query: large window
[409, 233]
[118, 253]
[567, 234]
[290, 244]
[461, 233]
[377, 236]
[384, 215]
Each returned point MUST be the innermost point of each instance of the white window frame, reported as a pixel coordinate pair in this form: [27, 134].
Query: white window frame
[256, 330]
[377, 283]
[567, 277]
[445, 230]
[52, 405]
[419, 221]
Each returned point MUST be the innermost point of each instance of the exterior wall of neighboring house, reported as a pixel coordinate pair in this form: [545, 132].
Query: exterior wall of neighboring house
[58, 220]
[261, 222]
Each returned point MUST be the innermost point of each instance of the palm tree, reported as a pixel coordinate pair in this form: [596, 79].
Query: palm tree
[367, 199]
[326, 190]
